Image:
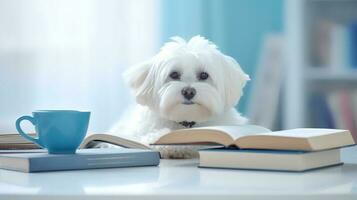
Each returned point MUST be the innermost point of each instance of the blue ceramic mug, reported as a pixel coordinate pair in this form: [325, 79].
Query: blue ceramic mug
[59, 131]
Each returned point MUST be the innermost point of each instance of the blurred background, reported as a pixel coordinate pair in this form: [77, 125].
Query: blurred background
[65, 54]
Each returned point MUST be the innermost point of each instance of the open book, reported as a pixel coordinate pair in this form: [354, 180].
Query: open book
[244, 137]
[255, 137]
[14, 141]
[91, 140]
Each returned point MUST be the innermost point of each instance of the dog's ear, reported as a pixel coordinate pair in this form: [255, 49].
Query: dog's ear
[137, 77]
[234, 81]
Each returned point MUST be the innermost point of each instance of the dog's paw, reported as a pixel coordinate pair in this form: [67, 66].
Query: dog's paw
[177, 152]
[103, 145]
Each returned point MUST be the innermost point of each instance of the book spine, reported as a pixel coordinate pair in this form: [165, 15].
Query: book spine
[353, 45]
[93, 161]
[354, 112]
[347, 113]
[334, 104]
[321, 114]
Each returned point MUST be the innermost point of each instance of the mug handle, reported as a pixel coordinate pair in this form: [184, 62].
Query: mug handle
[22, 133]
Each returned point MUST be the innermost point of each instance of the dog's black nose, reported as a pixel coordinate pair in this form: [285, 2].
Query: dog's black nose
[188, 92]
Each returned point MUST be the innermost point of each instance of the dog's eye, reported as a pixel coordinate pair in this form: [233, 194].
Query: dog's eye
[203, 76]
[175, 75]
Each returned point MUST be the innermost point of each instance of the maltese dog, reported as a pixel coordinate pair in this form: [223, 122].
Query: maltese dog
[187, 84]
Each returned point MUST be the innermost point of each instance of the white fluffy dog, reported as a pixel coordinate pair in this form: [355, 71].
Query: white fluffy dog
[187, 84]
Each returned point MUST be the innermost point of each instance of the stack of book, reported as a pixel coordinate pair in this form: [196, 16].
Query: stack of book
[234, 147]
[253, 147]
[18, 154]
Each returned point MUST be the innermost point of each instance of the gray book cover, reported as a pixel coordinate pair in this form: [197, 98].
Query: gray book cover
[83, 159]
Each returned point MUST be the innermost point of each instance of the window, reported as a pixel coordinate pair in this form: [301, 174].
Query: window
[70, 55]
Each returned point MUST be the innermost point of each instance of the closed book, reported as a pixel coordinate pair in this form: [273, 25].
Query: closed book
[321, 115]
[352, 28]
[83, 159]
[268, 159]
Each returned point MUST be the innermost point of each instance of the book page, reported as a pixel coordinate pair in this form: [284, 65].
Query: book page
[112, 139]
[238, 131]
[304, 132]
[222, 135]
[305, 139]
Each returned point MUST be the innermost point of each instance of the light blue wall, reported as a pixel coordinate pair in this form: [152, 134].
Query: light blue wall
[236, 26]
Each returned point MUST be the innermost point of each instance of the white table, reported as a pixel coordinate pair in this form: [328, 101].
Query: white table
[181, 179]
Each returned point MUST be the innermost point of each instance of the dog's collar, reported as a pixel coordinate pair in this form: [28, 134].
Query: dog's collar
[187, 124]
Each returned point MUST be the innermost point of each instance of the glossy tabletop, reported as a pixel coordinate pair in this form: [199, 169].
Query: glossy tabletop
[182, 179]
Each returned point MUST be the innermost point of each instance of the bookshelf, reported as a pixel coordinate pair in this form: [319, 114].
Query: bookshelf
[304, 77]
[329, 77]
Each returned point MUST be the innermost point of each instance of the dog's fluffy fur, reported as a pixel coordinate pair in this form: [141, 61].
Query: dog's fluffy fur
[162, 106]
